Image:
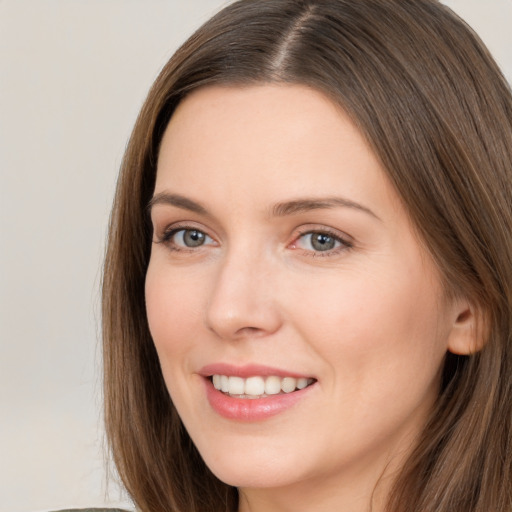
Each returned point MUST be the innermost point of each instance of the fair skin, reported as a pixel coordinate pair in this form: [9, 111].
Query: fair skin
[280, 243]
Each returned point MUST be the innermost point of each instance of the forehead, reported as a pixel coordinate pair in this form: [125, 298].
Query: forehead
[279, 133]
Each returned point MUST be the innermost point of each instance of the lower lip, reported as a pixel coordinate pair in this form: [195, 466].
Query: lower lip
[252, 409]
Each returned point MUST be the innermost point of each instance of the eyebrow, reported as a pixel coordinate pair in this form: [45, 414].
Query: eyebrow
[307, 204]
[177, 200]
[281, 209]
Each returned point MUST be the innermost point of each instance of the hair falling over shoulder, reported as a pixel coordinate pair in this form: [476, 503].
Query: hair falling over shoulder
[437, 112]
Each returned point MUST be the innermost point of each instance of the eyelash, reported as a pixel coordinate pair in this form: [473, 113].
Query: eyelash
[344, 244]
[168, 234]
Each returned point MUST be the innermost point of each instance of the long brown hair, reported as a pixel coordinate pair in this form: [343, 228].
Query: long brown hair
[436, 110]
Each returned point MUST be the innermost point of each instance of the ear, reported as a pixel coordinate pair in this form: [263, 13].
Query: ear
[470, 329]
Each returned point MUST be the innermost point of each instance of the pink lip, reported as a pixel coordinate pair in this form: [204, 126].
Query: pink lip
[245, 371]
[249, 409]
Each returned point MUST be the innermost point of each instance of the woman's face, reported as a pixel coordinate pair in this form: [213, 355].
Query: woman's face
[283, 258]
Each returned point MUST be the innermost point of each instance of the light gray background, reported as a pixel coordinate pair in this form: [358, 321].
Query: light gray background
[73, 74]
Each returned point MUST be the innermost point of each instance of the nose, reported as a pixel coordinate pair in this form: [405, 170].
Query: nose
[242, 301]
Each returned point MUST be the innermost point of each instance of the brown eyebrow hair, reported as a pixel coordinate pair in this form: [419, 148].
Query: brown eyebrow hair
[281, 209]
[306, 204]
[176, 200]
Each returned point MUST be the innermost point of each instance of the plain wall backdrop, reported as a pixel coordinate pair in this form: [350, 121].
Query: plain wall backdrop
[73, 74]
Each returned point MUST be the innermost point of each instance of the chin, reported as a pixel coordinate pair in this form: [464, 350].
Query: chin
[254, 468]
[245, 477]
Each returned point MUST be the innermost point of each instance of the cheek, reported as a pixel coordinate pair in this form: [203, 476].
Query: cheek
[173, 312]
[378, 328]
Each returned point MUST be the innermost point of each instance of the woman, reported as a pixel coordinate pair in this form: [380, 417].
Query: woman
[307, 289]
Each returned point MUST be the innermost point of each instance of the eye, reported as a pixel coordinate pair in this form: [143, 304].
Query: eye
[318, 241]
[187, 238]
[321, 242]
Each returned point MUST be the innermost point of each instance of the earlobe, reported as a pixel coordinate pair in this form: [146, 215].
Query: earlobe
[469, 330]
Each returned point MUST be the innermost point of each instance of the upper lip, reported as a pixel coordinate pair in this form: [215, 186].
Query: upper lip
[248, 370]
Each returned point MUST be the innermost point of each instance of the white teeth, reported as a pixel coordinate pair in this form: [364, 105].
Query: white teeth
[288, 384]
[236, 386]
[224, 383]
[272, 386]
[302, 383]
[258, 386]
[254, 386]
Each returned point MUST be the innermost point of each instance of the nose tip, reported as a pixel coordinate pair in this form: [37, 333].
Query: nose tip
[241, 304]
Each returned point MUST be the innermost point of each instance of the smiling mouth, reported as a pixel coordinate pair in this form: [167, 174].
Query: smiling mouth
[258, 387]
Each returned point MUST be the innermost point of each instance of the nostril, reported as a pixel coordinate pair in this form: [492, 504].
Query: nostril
[251, 331]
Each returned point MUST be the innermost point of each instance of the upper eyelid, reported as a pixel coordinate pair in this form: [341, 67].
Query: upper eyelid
[181, 225]
[319, 232]
[174, 229]
[336, 233]
[164, 225]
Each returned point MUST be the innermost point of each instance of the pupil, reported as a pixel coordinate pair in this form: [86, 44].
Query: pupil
[193, 238]
[322, 242]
